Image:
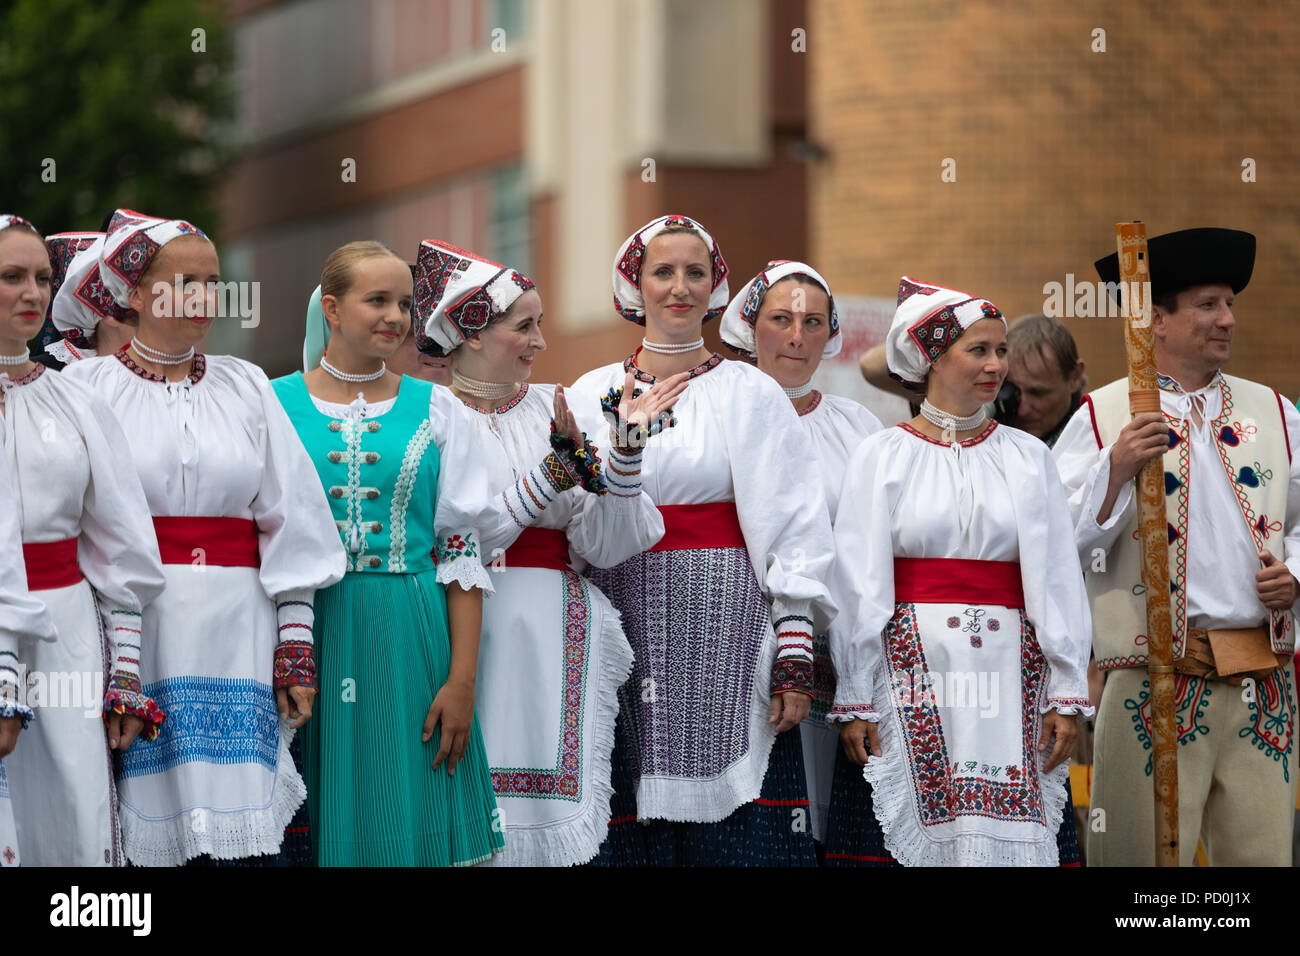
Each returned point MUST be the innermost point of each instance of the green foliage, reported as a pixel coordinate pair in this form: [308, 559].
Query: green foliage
[114, 92]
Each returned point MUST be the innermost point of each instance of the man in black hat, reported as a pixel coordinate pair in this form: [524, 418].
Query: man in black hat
[1234, 552]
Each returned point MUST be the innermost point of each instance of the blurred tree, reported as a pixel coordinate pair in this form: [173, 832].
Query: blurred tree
[130, 99]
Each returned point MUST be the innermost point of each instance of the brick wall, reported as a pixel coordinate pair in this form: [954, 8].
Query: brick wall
[1054, 144]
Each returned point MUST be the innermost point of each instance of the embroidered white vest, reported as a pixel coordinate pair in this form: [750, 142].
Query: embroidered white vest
[1250, 436]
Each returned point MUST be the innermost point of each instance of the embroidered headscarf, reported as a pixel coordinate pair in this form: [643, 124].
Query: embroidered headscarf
[98, 280]
[63, 247]
[627, 269]
[458, 293]
[8, 219]
[742, 312]
[929, 318]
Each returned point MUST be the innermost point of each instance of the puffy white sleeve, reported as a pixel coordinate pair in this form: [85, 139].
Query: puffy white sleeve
[1056, 601]
[1084, 468]
[606, 530]
[468, 519]
[1291, 418]
[21, 615]
[299, 543]
[116, 549]
[862, 582]
[778, 486]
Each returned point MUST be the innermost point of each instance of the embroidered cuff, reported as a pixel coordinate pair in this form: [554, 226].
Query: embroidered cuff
[10, 699]
[295, 613]
[843, 713]
[125, 634]
[124, 696]
[295, 664]
[626, 437]
[1069, 706]
[792, 675]
[458, 560]
[10, 679]
[579, 466]
[623, 473]
[532, 494]
[794, 637]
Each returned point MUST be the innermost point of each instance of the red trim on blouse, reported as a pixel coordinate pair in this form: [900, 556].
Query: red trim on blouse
[519, 397]
[31, 376]
[973, 440]
[1282, 411]
[1092, 414]
[197, 371]
[817, 400]
[629, 365]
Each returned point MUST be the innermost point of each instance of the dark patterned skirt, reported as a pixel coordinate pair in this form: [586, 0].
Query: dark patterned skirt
[1067, 838]
[296, 849]
[854, 838]
[771, 831]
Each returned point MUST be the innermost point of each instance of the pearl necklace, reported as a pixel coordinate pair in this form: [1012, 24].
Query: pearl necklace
[488, 390]
[671, 348]
[948, 421]
[160, 358]
[16, 359]
[799, 391]
[350, 377]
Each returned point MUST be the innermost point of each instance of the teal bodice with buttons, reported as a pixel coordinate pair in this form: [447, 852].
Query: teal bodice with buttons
[381, 474]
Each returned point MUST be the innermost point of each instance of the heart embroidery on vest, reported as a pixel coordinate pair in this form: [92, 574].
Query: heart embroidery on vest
[1174, 438]
[1229, 437]
[1173, 533]
[1247, 476]
[1171, 483]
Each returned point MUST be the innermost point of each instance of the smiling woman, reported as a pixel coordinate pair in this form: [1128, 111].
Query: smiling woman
[721, 613]
[954, 556]
[88, 550]
[553, 652]
[397, 734]
[243, 548]
[785, 319]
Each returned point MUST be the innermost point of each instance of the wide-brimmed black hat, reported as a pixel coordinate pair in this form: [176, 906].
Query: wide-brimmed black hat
[1179, 260]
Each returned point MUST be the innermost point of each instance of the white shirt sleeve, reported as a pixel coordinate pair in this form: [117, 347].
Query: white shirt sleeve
[1084, 469]
[299, 543]
[117, 549]
[862, 582]
[781, 503]
[1056, 601]
[469, 520]
[21, 615]
[1292, 547]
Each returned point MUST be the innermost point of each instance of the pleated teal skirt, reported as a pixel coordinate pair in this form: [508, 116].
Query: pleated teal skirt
[382, 652]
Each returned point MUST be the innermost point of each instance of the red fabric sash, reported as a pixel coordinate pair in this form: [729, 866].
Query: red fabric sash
[539, 548]
[691, 527]
[958, 581]
[225, 542]
[51, 564]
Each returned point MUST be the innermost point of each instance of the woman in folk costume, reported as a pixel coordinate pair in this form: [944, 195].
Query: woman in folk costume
[722, 611]
[87, 321]
[91, 557]
[962, 665]
[23, 618]
[396, 773]
[245, 542]
[784, 320]
[553, 654]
